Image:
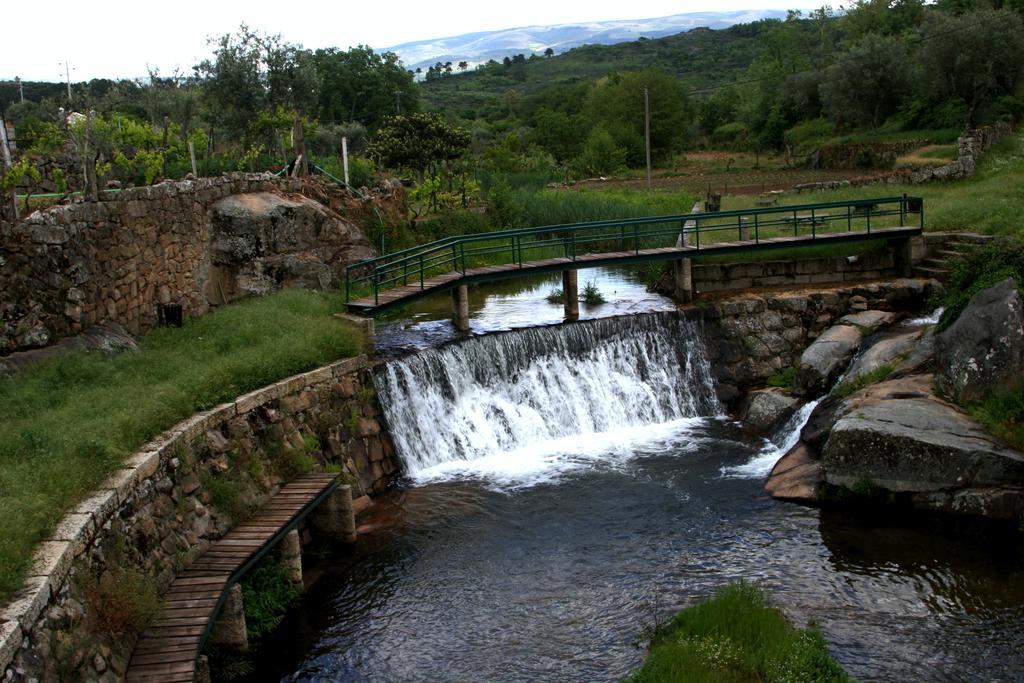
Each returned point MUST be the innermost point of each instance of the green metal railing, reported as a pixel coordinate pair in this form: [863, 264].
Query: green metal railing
[625, 238]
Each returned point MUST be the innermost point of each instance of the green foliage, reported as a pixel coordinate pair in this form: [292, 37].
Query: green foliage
[867, 82]
[602, 155]
[1003, 416]
[361, 85]
[592, 295]
[227, 495]
[736, 636]
[419, 142]
[857, 383]
[784, 378]
[554, 296]
[121, 601]
[503, 207]
[78, 415]
[267, 595]
[997, 260]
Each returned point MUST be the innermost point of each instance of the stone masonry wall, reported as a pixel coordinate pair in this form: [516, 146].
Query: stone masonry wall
[71, 266]
[162, 509]
[742, 276]
[751, 337]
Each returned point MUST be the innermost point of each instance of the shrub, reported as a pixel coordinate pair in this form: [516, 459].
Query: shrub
[592, 295]
[267, 595]
[120, 601]
[999, 259]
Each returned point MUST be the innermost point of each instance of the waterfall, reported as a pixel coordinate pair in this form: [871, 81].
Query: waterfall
[534, 399]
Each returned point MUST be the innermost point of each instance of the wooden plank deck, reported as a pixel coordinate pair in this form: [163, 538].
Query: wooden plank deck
[167, 650]
[396, 295]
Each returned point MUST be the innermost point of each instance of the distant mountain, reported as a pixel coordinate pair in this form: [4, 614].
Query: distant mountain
[482, 46]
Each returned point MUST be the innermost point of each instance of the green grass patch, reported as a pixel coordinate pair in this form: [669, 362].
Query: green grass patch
[267, 595]
[947, 152]
[70, 421]
[1003, 416]
[735, 636]
[990, 202]
[860, 381]
[784, 378]
[994, 262]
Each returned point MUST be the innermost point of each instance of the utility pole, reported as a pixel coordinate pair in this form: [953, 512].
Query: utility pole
[398, 103]
[647, 135]
[67, 77]
[21, 87]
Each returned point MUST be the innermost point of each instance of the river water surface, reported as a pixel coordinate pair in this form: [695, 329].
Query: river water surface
[562, 504]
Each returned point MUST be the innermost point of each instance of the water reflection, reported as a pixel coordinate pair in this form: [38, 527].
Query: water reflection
[512, 304]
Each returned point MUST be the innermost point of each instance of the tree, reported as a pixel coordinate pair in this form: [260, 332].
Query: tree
[549, 52]
[601, 155]
[867, 82]
[617, 104]
[463, 65]
[360, 85]
[975, 57]
[419, 142]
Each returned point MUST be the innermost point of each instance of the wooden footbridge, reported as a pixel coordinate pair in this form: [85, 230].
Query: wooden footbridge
[168, 651]
[377, 284]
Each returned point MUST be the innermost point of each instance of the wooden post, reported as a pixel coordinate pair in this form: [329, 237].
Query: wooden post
[335, 517]
[570, 295]
[6, 150]
[291, 556]
[299, 148]
[192, 156]
[460, 308]
[647, 135]
[344, 158]
[229, 629]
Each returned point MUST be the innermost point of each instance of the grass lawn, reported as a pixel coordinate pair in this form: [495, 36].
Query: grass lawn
[990, 202]
[70, 421]
[735, 636]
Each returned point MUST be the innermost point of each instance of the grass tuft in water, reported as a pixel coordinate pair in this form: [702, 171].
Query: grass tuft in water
[736, 636]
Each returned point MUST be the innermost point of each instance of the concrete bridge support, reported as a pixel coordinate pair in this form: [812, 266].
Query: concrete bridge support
[570, 295]
[460, 308]
[291, 556]
[909, 253]
[229, 629]
[336, 517]
[682, 280]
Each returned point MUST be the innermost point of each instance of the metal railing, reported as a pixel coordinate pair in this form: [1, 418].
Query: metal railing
[625, 238]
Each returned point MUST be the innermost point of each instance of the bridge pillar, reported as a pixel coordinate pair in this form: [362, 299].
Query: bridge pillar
[229, 629]
[460, 308]
[570, 295]
[909, 253]
[291, 556]
[335, 517]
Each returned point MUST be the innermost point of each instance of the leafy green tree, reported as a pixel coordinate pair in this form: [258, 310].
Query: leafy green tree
[617, 105]
[601, 154]
[419, 142]
[867, 82]
[558, 133]
[361, 85]
[881, 17]
[976, 57]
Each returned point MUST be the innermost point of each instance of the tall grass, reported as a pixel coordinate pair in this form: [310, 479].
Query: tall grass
[68, 422]
[551, 207]
[736, 636]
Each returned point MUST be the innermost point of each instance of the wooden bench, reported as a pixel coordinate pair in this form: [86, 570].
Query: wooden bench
[167, 651]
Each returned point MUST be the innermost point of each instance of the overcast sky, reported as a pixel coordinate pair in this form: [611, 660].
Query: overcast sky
[120, 39]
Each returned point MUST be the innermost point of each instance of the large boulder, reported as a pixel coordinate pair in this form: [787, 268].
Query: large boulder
[898, 437]
[888, 351]
[767, 408]
[263, 241]
[983, 350]
[825, 359]
[796, 476]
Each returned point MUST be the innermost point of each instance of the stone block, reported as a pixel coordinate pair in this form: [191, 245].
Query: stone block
[145, 464]
[219, 415]
[10, 642]
[52, 559]
[76, 528]
[27, 604]
[123, 482]
[100, 505]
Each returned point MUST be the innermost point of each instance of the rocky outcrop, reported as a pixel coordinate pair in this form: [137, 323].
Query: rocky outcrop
[106, 338]
[983, 350]
[823, 360]
[900, 438]
[263, 241]
[796, 476]
[889, 351]
[767, 408]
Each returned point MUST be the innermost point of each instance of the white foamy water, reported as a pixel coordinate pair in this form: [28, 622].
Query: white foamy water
[775, 447]
[926, 320]
[526, 407]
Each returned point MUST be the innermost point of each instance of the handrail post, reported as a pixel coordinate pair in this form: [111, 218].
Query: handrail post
[813, 225]
[849, 218]
[796, 225]
[348, 285]
[462, 249]
[455, 257]
[696, 233]
[757, 235]
[636, 238]
[376, 286]
[421, 271]
[573, 245]
[869, 221]
[903, 208]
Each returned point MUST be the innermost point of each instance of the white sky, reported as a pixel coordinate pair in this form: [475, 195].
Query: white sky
[119, 39]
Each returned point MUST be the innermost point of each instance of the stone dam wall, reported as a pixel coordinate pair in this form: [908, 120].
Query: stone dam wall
[162, 509]
[198, 243]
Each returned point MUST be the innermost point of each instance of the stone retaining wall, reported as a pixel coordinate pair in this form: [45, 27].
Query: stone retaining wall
[743, 276]
[163, 507]
[750, 338]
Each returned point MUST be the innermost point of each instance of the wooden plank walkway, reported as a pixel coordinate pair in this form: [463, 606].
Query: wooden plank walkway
[166, 652]
[397, 295]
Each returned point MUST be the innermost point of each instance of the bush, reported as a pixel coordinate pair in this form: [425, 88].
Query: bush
[592, 295]
[1001, 258]
[121, 601]
[267, 595]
